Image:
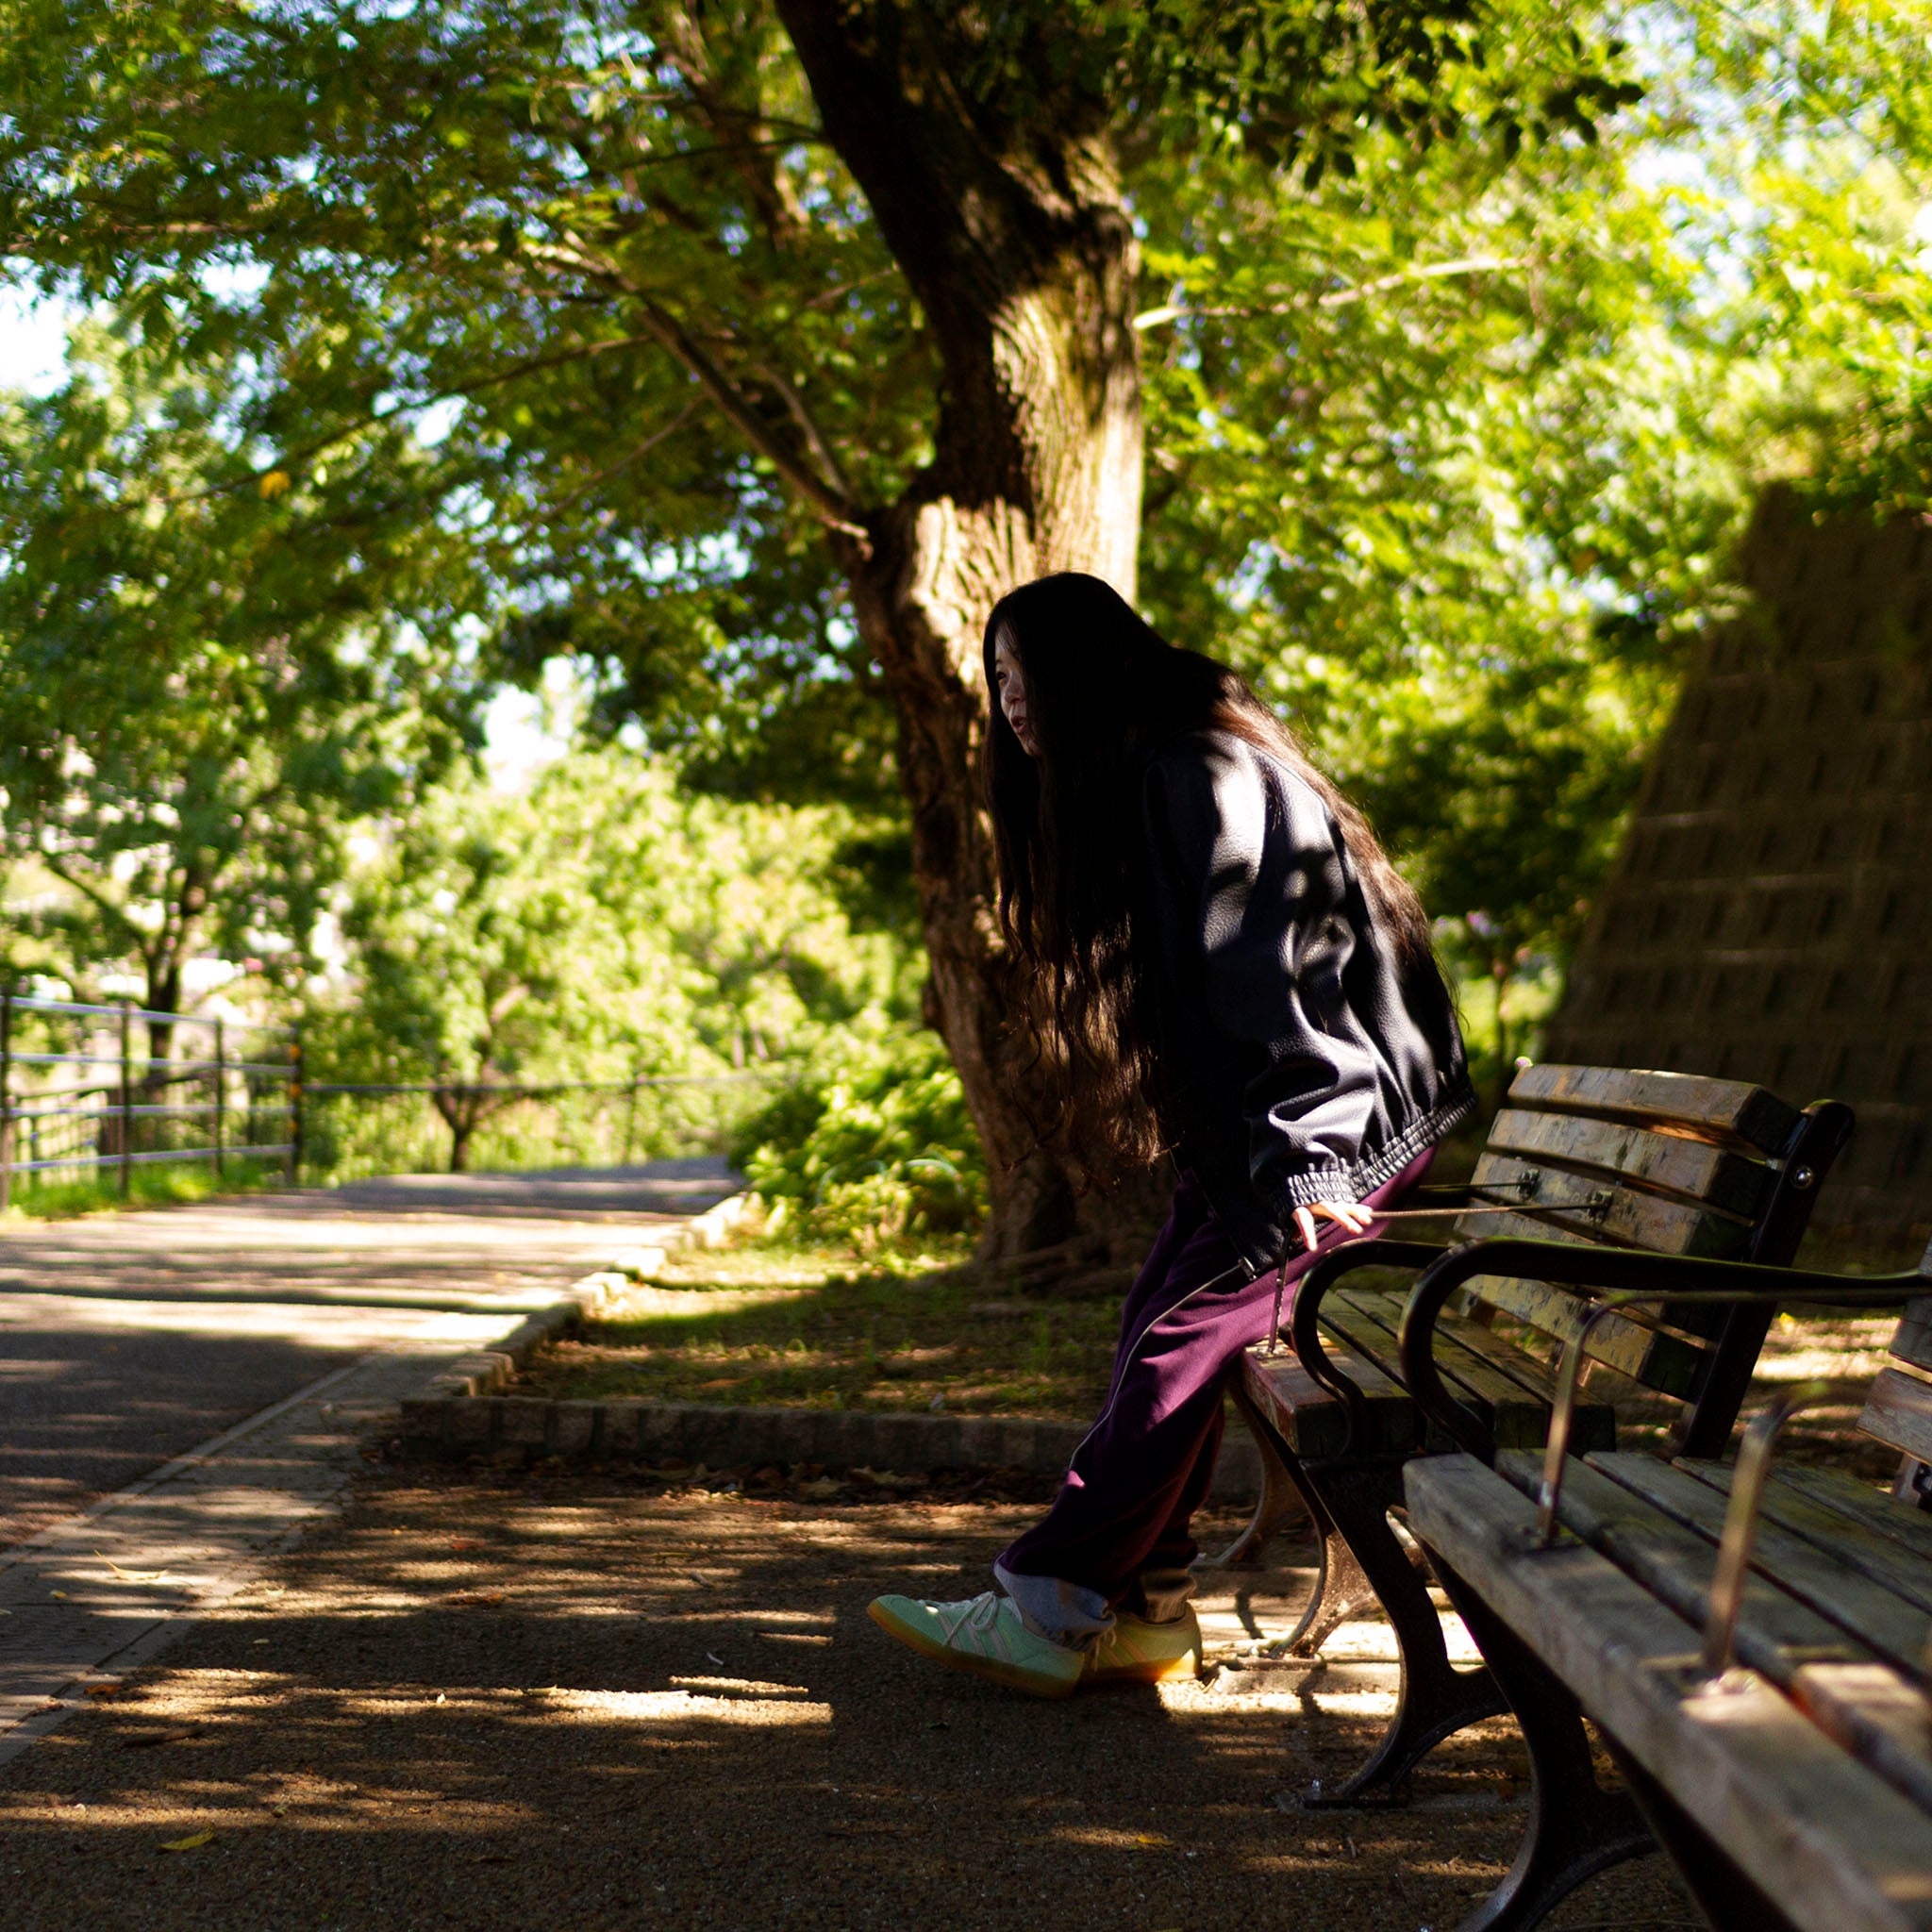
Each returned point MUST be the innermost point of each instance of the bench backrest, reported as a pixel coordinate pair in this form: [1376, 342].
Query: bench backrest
[1673, 1163]
[1898, 1409]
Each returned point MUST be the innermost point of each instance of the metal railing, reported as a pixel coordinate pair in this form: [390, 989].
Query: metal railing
[76, 1097]
[88, 1089]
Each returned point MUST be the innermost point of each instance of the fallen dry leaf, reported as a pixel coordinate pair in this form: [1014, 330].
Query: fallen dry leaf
[1155, 1838]
[131, 1576]
[192, 1842]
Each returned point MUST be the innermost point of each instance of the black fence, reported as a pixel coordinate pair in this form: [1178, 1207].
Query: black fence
[96, 1091]
[91, 1089]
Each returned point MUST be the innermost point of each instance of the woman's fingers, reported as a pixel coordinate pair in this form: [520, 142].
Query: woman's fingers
[1351, 1214]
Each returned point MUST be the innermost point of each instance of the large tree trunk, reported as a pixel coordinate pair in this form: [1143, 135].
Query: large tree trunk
[1018, 244]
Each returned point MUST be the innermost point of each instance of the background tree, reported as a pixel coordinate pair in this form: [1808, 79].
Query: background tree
[602, 926]
[766, 343]
[203, 686]
[831, 300]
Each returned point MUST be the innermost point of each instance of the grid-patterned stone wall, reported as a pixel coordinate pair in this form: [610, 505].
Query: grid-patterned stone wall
[1769, 916]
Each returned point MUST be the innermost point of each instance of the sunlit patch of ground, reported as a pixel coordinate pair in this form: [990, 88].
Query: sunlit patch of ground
[598, 1702]
[807, 1328]
[797, 1327]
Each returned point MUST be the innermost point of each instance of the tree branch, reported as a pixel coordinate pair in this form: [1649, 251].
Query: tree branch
[624, 461]
[807, 428]
[833, 507]
[118, 914]
[1337, 298]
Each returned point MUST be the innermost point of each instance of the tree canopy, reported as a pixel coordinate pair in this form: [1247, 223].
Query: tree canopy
[753, 347]
[204, 687]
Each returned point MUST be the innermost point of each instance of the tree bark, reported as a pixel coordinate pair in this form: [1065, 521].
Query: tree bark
[1018, 244]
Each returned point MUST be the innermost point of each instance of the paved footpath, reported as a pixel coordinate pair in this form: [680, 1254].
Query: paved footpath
[182, 1390]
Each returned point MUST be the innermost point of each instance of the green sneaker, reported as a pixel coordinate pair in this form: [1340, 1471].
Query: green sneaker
[1137, 1652]
[984, 1638]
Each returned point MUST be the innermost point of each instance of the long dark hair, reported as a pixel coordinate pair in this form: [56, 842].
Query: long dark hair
[1103, 690]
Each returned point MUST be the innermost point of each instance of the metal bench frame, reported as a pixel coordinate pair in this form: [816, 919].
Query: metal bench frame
[1348, 1495]
[1577, 1829]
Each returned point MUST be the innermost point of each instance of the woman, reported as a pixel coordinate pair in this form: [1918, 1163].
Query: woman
[1221, 961]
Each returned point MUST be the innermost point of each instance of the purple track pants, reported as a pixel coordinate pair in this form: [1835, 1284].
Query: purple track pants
[1119, 1527]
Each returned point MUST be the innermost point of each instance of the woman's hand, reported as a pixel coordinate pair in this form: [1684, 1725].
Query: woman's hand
[1351, 1214]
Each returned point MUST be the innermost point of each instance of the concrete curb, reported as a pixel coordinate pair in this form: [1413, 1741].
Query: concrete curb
[724, 1435]
[461, 1411]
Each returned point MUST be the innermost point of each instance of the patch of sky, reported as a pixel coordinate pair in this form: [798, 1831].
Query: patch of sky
[1243, 585]
[235, 280]
[33, 334]
[719, 556]
[435, 423]
[526, 731]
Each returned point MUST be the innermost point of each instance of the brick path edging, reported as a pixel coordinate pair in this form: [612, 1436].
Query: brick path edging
[461, 1411]
[724, 1435]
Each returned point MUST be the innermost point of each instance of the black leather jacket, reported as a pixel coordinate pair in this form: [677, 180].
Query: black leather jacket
[1304, 1059]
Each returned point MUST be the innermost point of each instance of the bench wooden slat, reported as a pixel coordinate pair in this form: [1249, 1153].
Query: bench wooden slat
[1469, 1334]
[1671, 1559]
[1898, 1410]
[1660, 1361]
[1913, 1341]
[1857, 1501]
[1314, 1423]
[1584, 1207]
[1889, 1622]
[1693, 1171]
[1728, 1111]
[1847, 1542]
[1508, 1389]
[1839, 1847]
[1360, 1336]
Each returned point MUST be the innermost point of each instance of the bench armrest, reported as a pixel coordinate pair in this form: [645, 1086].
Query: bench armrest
[1633, 1271]
[1304, 1331]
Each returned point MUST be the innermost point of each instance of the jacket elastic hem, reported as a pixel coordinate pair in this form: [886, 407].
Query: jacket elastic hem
[1354, 1182]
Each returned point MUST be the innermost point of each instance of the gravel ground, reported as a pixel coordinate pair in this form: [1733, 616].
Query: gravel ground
[601, 1700]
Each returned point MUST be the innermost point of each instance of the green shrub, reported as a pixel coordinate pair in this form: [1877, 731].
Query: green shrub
[870, 1147]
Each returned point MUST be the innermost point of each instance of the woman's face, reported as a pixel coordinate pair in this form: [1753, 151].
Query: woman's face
[1009, 686]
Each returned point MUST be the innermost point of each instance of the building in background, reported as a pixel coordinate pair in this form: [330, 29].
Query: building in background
[1769, 916]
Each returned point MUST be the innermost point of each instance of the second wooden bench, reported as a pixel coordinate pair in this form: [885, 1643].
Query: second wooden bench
[1614, 1160]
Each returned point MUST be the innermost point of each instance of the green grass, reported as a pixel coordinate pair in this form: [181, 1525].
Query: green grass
[796, 1326]
[802, 1328]
[160, 1185]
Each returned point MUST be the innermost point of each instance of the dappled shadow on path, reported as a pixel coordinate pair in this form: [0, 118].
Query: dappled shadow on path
[599, 1702]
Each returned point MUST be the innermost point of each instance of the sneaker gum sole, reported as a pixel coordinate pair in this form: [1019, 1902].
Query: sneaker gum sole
[994, 1668]
[1154, 1670]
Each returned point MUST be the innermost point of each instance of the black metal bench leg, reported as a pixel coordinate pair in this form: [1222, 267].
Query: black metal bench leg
[1436, 1698]
[1285, 1503]
[1576, 1828]
[1724, 1895]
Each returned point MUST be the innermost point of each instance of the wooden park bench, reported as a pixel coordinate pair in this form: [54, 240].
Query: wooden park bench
[1612, 1161]
[1749, 1644]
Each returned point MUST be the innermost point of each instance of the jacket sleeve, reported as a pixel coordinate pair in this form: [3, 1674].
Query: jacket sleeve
[1250, 891]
